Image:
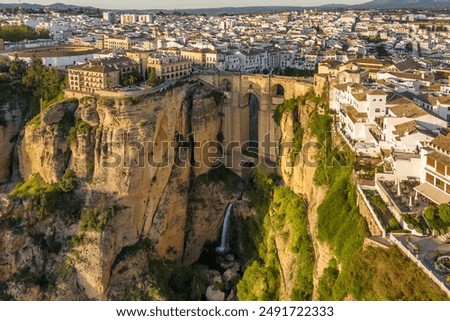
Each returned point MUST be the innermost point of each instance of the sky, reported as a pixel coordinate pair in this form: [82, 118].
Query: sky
[186, 4]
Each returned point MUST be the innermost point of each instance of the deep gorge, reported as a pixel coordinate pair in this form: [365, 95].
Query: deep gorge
[80, 226]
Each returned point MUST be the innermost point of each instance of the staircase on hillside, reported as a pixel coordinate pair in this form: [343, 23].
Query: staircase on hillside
[444, 238]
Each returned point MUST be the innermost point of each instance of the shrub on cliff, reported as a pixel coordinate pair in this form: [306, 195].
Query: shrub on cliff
[95, 220]
[288, 106]
[43, 197]
[67, 183]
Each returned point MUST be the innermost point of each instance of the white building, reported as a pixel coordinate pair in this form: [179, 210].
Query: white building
[389, 121]
[250, 61]
[435, 173]
[61, 56]
[109, 17]
[136, 18]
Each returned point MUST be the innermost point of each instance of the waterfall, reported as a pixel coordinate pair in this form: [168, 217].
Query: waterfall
[224, 244]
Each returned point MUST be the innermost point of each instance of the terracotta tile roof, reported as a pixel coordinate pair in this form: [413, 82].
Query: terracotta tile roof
[412, 127]
[409, 110]
[407, 65]
[377, 92]
[442, 143]
[353, 113]
[441, 158]
[404, 128]
[360, 97]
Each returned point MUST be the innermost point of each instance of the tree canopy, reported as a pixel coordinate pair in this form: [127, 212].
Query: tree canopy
[42, 81]
[19, 33]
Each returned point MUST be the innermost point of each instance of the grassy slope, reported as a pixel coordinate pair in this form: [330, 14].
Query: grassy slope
[374, 274]
[280, 214]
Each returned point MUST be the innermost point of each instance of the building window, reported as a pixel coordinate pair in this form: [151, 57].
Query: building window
[430, 178]
[440, 168]
[440, 184]
[430, 162]
[447, 188]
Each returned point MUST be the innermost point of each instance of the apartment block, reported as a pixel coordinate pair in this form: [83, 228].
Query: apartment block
[100, 74]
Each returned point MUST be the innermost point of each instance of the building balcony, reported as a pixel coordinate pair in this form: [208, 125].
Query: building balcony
[277, 100]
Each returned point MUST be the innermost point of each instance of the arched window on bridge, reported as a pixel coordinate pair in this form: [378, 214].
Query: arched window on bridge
[278, 90]
[225, 85]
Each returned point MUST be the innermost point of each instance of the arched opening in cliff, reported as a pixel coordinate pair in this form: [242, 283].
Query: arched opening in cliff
[277, 91]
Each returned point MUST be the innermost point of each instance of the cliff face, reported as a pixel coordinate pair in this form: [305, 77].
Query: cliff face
[44, 147]
[132, 159]
[298, 174]
[11, 116]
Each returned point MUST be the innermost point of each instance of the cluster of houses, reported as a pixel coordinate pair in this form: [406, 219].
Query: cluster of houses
[249, 42]
[390, 102]
[397, 112]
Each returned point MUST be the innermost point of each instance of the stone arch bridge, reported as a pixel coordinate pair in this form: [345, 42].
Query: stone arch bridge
[249, 104]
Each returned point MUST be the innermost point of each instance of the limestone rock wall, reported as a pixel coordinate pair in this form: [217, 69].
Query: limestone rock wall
[298, 175]
[44, 147]
[11, 117]
[133, 155]
[206, 210]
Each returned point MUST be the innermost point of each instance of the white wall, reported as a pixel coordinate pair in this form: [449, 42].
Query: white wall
[405, 168]
[65, 61]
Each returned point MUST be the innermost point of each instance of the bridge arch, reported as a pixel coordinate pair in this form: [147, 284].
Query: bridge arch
[246, 95]
[225, 85]
[250, 109]
[240, 118]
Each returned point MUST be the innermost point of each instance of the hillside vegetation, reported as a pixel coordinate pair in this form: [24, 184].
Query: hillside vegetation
[373, 274]
[280, 217]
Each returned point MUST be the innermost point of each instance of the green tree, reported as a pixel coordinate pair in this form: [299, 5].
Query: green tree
[381, 51]
[22, 32]
[444, 213]
[108, 81]
[42, 33]
[152, 79]
[42, 81]
[409, 47]
[67, 183]
[430, 213]
[17, 68]
[131, 78]
[393, 223]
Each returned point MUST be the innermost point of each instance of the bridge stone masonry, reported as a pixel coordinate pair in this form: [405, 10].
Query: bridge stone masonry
[248, 108]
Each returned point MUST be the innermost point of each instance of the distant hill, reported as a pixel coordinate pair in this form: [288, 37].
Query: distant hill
[376, 4]
[410, 4]
[58, 5]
